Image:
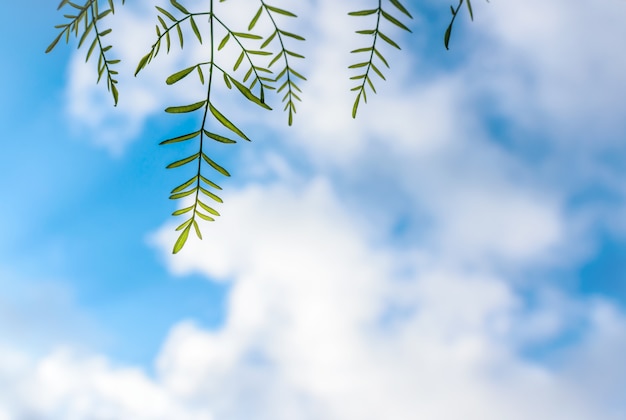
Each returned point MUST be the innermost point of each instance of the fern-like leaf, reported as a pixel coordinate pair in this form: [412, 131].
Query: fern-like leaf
[372, 52]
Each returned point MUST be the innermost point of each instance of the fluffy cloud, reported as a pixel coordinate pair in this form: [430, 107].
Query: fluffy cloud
[332, 314]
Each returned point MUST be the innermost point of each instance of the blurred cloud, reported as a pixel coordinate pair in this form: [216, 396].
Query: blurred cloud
[330, 315]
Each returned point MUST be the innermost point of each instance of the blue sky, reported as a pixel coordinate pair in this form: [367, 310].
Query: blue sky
[458, 251]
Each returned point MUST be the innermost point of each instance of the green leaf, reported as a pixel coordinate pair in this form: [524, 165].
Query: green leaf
[166, 13]
[197, 229]
[246, 35]
[115, 93]
[181, 138]
[185, 108]
[207, 208]
[179, 6]
[211, 195]
[180, 35]
[224, 41]
[291, 35]
[214, 165]
[357, 65]
[394, 21]
[205, 217]
[142, 63]
[469, 8]
[182, 194]
[280, 11]
[54, 43]
[246, 92]
[209, 182]
[182, 211]
[219, 138]
[185, 185]
[363, 12]
[401, 8]
[184, 224]
[379, 55]
[255, 19]
[268, 40]
[366, 49]
[238, 62]
[388, 40]
[356, 104]
[195, 29]
[378, 72]
[366, 31]
[184, 161]
[180, 242]
[446, 37]
[225, 122]
[179, 75]
[91, 48]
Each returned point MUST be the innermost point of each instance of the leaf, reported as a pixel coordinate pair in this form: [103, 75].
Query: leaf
[280, 11]
[195, 29]
[255, 19]
[182, 211]
[184, 224]
[211, 195]
[401, 8]
[446, 37]
[184, 161]
[356, 104]
[246, 92]
[357, 65]
[214, 165]
[180, 35]
[394, 21]
[224, 41]
[208, 209]
[179, 75]
[196, 228]
[115, 93]
[209, 182]
[291, 35]
[388, 40]
[166, 13]
[238, 62]
[469, 8]
[225, 122]
[142, 63]
[182, 194]
[268, 40]
[205, 217]
[181, 138]
[185, 184]
[54, 43]
[219, 138]
[180, 242]
[246, 35]
[185, 108]
[179, 6]
[363, 12]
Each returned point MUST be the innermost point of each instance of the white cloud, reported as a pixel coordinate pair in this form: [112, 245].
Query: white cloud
[329, 317]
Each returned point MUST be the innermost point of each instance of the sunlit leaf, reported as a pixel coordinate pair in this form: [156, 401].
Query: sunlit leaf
[180, 242]
[179, 75]
[184, 161]
[181, 138]
[214, 165]
[185, 108]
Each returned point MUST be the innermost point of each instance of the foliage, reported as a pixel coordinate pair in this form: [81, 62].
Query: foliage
[265, 62]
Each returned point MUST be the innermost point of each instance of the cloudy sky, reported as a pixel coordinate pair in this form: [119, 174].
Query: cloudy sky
[456, 252]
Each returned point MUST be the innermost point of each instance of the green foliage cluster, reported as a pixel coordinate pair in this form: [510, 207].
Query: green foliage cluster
[265, 62]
